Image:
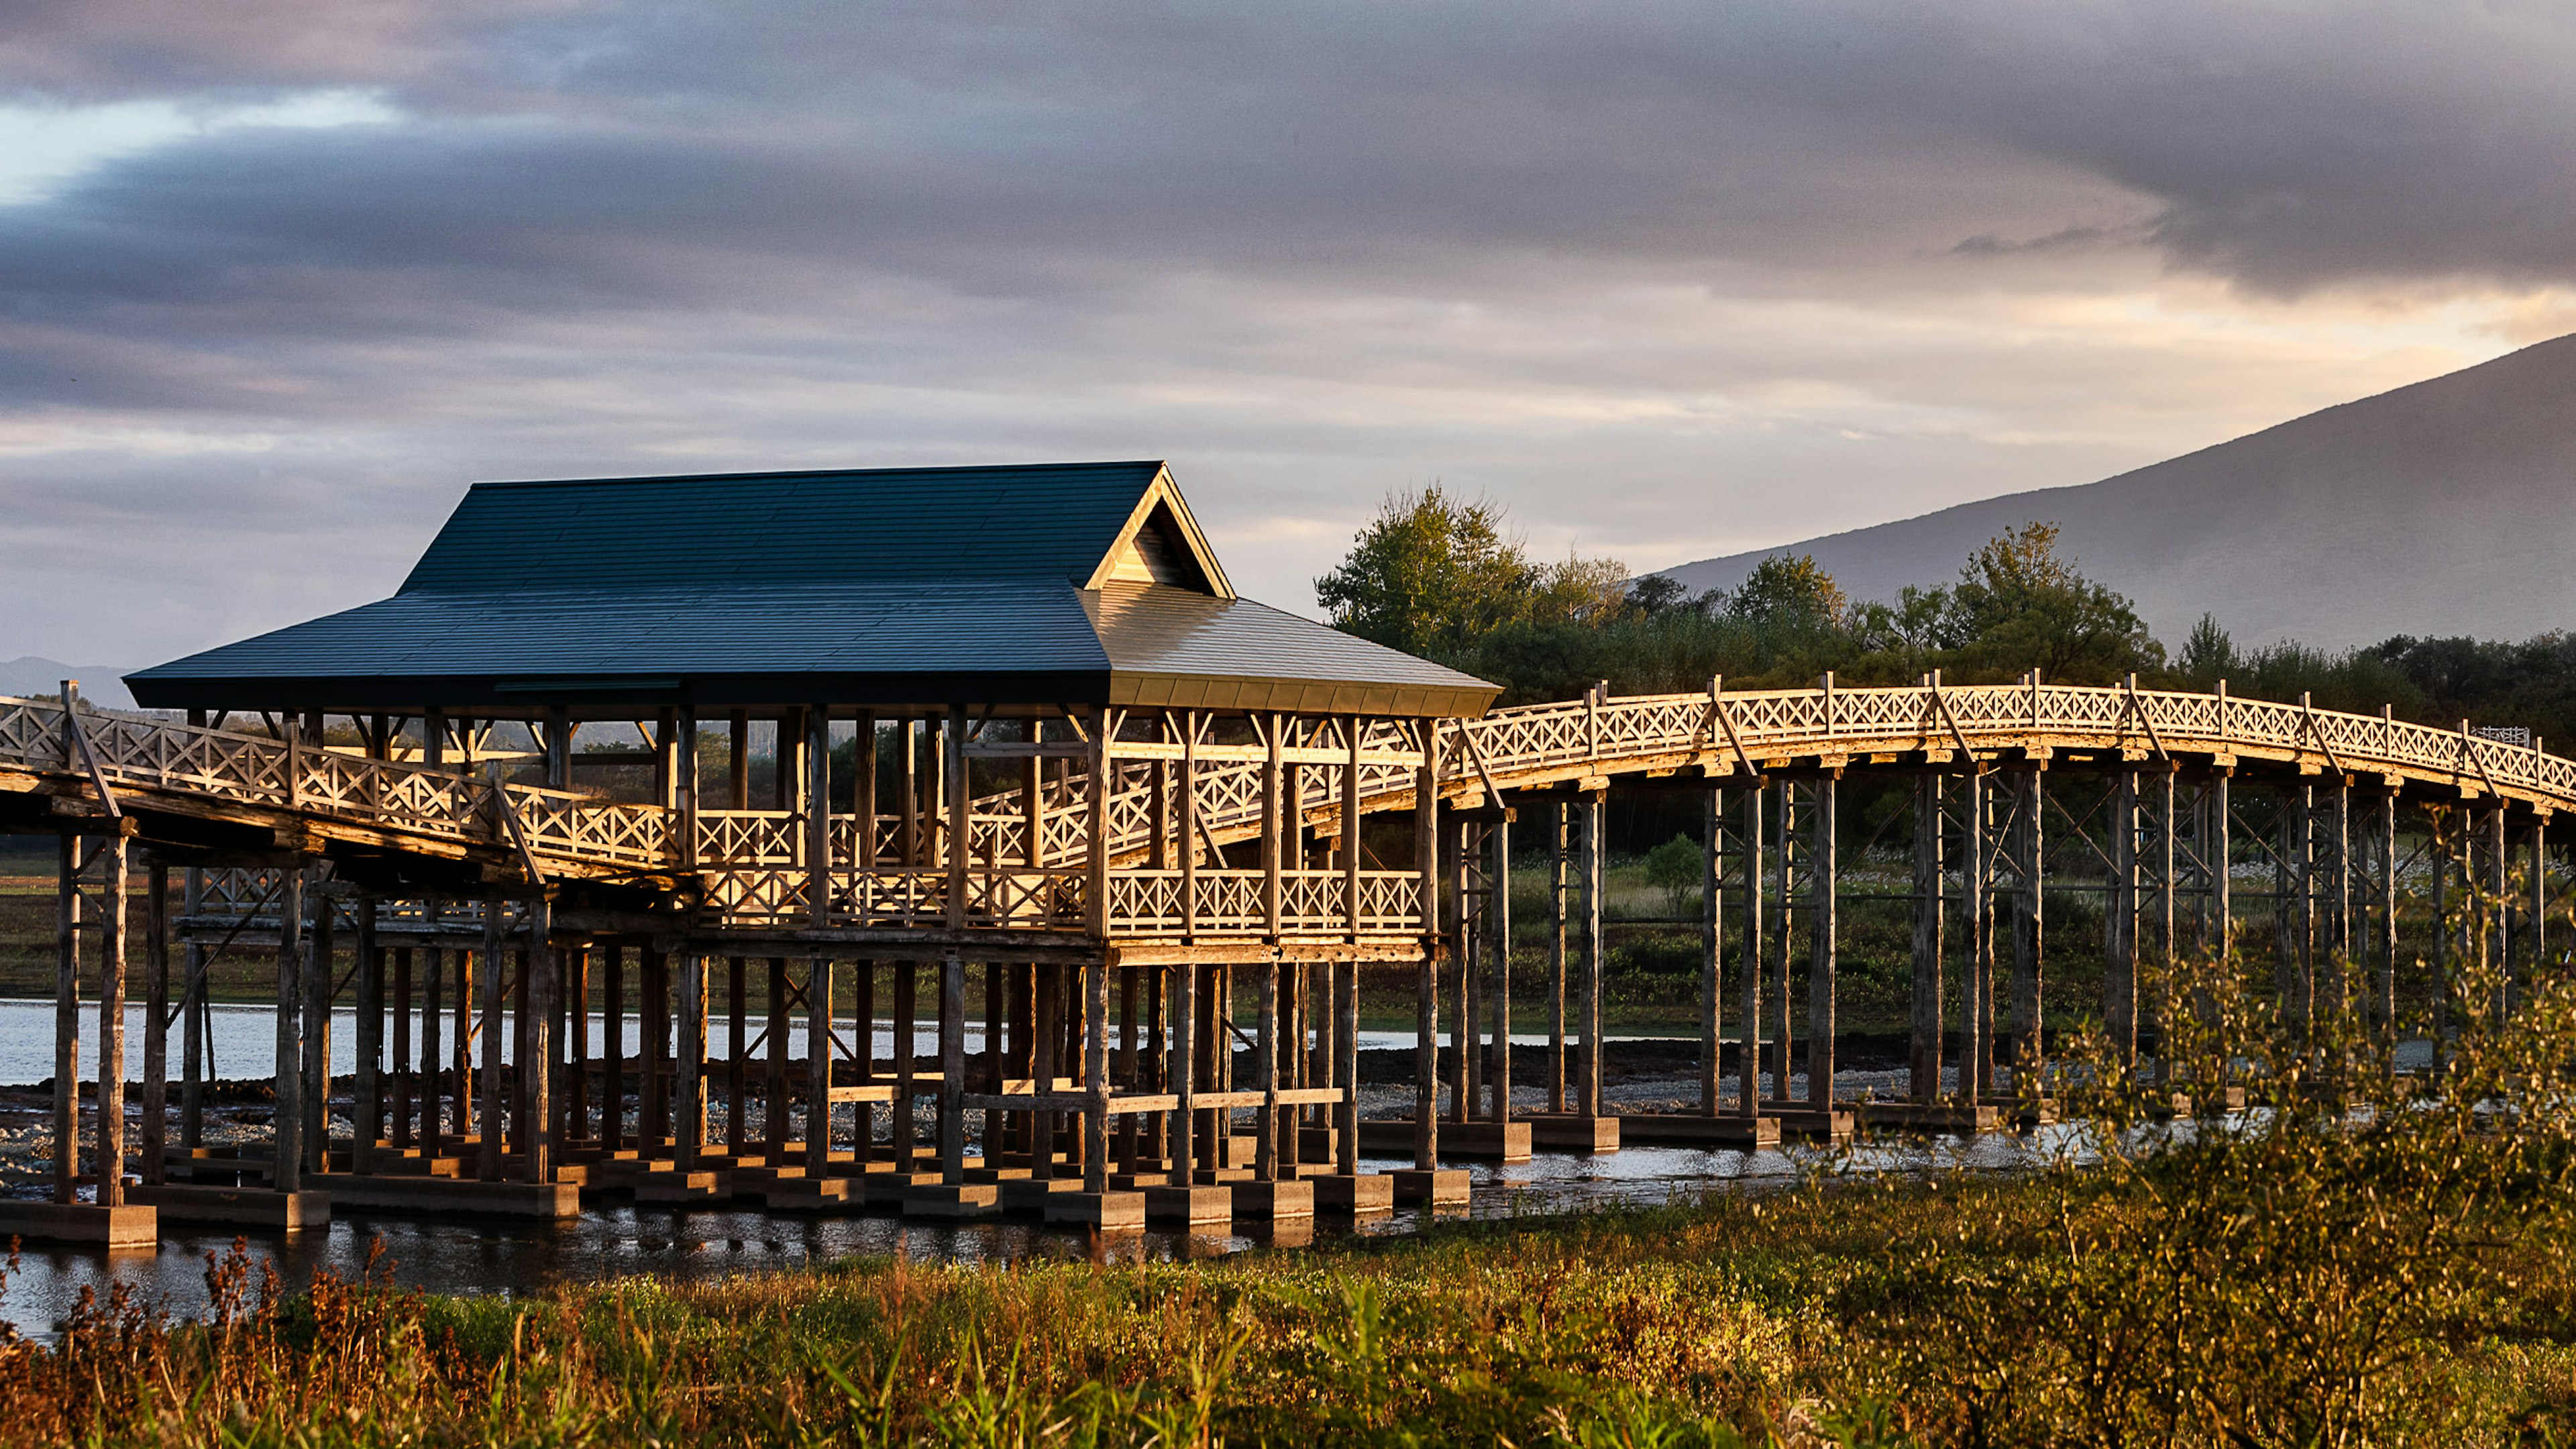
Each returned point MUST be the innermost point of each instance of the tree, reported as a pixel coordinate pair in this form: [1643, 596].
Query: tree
[2019, 605]
[1789, 591]
[2208, 656]
[1676, 868]
[1430, 574]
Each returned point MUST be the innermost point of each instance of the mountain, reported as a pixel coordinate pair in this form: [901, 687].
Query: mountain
[101, 683]
[2447, 507]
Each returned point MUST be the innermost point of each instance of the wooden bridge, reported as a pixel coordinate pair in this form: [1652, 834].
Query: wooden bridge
[1150, 887]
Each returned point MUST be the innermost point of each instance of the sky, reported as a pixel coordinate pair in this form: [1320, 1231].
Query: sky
[277, 280]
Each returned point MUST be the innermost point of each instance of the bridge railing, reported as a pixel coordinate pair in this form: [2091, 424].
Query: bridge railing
[297, 776]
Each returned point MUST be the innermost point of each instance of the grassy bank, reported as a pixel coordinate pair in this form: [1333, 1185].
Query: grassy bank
[2359, 1262]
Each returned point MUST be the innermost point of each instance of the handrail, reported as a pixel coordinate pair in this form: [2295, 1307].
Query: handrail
[1506, 748]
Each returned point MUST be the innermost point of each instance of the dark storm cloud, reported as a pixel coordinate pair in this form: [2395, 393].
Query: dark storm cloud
[568, 158]
[599, 236]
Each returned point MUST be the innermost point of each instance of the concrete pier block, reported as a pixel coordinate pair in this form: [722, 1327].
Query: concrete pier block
[1107, 1211]
[1359, 1194]
[131, 1226]
[1272, 1201]
[1197, 1207]
[1437, 1186]
[962, 1200]
[288, 1212]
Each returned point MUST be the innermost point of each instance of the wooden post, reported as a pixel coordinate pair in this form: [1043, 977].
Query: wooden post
[776, 1091]
[1265, 1145]
[287, 1173]
[1498, 919]
[653, 1086]
[404, 1086]
[818, 1066]
[1557, 865]
[1750, 954]
[1426, 844]
[1461, 843]
[818, 817]
[689, 1067]
[1095, 1073]
[2031, 866]
[367, 1124]
[493, 1118]
[863, 1046]
[1189, 825]
[1184, 1070]
[469, 966]
[1823, 931]
[1976, 981]
[2445, 958]
[111, 1026]
[737, 1047]
[1712, 1040]
[1596, 954]
[907, 1038]
[537, 1069]
[1924, 1060]
[952, 1010]
[1783, 841]
[156, 1020]
[576, 1019]
[960, 834]
[193, 1026]
[2120, 922]
[738, 761]
[612, 1088]
[1346, 1051]
[433, 1066]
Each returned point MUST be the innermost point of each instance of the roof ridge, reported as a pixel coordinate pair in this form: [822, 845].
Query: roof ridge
[778, 473]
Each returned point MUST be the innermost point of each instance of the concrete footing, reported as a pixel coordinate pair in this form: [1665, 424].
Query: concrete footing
[1194, 1206]
[1107, 1211]
[1932, 1116]
[440, 1195]
[1031, 1194]
[1693, 1130]
[1571, 1132]
[131, 1226]
[1272, 1201]
[952, 1200]
[1438, 1186]
[812, 1194]
[248, 1206]
[1476, 1141]
[1359, 1193]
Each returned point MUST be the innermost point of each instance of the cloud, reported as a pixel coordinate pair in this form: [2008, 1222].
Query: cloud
[1627, 266]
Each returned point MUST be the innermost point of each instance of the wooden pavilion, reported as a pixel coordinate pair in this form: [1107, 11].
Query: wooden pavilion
[1018, 724]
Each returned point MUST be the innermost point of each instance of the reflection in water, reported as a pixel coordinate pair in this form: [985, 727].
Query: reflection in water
[616, 1240]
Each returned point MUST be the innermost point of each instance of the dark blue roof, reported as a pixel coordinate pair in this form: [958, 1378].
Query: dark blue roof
[1041, 521]
[879, 587]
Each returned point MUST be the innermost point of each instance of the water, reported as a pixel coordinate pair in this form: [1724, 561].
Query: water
[244, 1040]
[615, 1241]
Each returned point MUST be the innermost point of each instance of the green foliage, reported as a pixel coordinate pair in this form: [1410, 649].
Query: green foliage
[1433, 573]
[1677, 868]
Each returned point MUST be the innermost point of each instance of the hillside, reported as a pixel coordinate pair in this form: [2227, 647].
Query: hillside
[2441, 508]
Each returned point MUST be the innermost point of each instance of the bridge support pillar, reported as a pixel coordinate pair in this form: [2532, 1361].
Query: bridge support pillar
[1823, 929]
[2120, 921]
[1930, 911]
[1750, 955]
[1977, 973]
[2030, 884]
[1712, 917]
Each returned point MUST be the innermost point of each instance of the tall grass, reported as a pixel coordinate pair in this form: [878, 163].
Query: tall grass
[2359, 1258]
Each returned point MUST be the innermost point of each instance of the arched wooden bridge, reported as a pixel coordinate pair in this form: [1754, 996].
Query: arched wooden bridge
[1222, 841]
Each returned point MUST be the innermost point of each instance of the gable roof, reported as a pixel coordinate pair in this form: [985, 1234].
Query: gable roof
[1060, 521]
[1039, 585]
